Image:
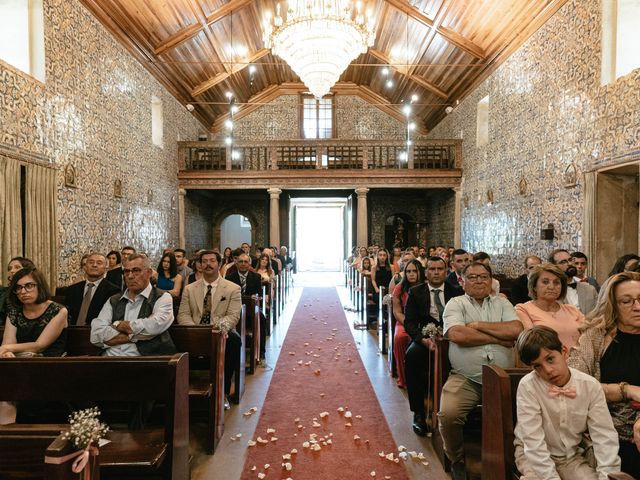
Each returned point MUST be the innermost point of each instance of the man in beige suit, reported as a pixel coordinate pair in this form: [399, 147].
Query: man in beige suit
[212, 300]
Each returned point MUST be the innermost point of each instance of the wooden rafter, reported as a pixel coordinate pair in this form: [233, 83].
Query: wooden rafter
[415, 78]
[193, 30]
[269, 94]
[451, 36]
[221, 77]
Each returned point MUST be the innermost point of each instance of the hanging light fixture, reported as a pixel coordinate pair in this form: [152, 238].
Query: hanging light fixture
[319, 39]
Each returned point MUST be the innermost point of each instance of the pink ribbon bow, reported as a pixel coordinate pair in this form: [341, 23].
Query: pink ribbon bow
[554, 391]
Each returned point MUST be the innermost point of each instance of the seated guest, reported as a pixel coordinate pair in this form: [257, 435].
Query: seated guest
[406, 258]
[520, 286]
[227, 257]
[547, 285]
[285, 259]
[557, 406]
[217, 302]
[85, 299]
[116, 275]
[363, 253]
[273, 252]
[365, 267]
[481, 329]
[136, 322]
[626, 263]
[250, 284]
[115, 260]
[246, 248]
[413, 275]
[422, 256]
[382, 273]
[582, 295]
[459, 260]
[396, 259]
[484, 257]
[609, 350]
[264, 268]
[183, 265]
[15, 264]
[35, 324]
[425, 305]
[580, 261]
[169, 279]
[231, 267]
[197, 271]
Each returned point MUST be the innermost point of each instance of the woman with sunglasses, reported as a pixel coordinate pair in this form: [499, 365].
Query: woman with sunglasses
[35, 324]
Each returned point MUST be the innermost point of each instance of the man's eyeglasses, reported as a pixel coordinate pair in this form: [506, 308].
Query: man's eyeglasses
[477, 278]
[562, 262]
[27, 287]
[135, 271]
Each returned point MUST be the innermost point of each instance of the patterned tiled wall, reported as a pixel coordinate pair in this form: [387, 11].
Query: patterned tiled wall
[548, 114]
[355, 120]
[94, 111]
[197, 222]
[432, 210]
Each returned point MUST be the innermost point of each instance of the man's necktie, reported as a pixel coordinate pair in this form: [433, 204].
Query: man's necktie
[554, 391]
[438, 302]
[206, 307]
[84, 308]
[243, 283]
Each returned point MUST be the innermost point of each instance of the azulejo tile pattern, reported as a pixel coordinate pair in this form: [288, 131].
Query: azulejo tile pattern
[547, 111]
[94, 111]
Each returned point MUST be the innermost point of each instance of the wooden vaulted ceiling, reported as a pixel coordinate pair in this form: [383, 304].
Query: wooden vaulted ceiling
[436, 49]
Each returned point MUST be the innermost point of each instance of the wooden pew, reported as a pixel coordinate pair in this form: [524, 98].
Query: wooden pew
[55, 468]
[159, 452]
[391, 327]
[238, 381]
[252, 327]
[383, 338]
[206, 348]
[620, 476]
[499, 388]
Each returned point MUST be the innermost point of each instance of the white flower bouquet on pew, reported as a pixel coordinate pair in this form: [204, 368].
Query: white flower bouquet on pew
[86, 433]
[432, 331]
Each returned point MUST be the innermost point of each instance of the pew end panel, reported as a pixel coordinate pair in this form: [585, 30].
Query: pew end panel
[238, 389]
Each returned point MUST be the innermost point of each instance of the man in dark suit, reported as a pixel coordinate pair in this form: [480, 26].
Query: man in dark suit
[285, 259]
[250, 284]
[520, 286]
[115, 276]
[459, 259]
[85, 299]
[246, 248]
[425, 305]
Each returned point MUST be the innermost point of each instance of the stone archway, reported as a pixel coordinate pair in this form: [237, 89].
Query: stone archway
[217, 226]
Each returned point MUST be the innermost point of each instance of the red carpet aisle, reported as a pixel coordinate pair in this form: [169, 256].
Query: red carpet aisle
[319, 372]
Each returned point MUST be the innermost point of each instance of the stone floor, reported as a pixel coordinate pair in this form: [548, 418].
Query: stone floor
[229, 457]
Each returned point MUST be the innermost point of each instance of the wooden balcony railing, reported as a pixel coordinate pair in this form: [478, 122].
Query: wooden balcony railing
[320, 154]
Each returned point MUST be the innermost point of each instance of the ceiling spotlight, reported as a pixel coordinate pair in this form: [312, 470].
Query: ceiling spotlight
[228, 140]
[229, 95]
[406, 109]
[412, 126]
[414, 98]
[385, 71]
[252, 69]
[235, 155]
[228, 124]
[389, 84]
[190, 107]
[449, 109]
[403, 156]
[234, 109]
[409, 143]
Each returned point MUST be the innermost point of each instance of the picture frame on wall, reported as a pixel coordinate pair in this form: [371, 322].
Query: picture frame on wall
[70, 176]
[117, 188]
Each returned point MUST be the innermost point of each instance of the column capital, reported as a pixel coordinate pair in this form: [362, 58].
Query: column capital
[274, 192]
[362, 191]
[182, 192]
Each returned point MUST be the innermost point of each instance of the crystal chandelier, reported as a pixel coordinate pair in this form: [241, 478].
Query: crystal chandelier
[319, 39]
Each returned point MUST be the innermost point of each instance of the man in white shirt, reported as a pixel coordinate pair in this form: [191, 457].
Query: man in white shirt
[135, 322]
[214, 301]
[481, 329]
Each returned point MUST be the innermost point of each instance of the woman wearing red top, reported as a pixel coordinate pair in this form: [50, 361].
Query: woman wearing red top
[413, 275]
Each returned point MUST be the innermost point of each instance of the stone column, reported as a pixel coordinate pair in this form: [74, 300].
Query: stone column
[181, 223]
[361, 231]
[274, 216]
[457, 220]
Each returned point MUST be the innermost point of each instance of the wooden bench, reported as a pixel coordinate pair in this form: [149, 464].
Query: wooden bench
[238, 389]
[391, 357]
[158, 452]
[499, 388]
[252, 331]
[206, 348]
[383, 338]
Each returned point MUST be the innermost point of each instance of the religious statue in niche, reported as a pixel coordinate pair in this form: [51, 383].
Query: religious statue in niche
[149, 196]
[522, 186]
[570, 177]
[398, 231]
[490, 196]
[70, 176]
[117, 188]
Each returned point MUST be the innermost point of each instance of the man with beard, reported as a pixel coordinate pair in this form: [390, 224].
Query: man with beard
[582, 295]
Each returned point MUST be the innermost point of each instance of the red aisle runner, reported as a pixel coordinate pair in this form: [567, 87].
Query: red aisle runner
[319, 371]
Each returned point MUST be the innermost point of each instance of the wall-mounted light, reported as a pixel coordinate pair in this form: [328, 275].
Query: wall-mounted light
[190, 107]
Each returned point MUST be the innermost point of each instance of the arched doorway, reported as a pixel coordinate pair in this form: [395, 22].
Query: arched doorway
[235, 229]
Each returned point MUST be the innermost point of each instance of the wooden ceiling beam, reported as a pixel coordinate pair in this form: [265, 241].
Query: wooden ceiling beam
[451, 36]
[221, 77]
[191, 31]
[413, 77]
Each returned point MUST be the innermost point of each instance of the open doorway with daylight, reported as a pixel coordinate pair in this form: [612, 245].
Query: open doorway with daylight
[318, 229]
[234, 231]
